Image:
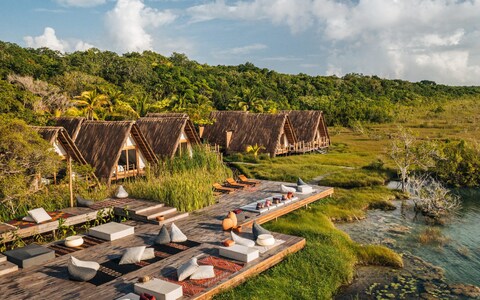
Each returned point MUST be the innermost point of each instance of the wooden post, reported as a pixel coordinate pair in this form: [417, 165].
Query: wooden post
[70, 179]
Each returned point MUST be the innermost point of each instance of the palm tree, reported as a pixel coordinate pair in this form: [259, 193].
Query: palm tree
[255, 149]
[248, 101]
[92, 102]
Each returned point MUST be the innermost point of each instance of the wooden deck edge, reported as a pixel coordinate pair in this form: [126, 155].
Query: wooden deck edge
[288, 208]
[253, 271]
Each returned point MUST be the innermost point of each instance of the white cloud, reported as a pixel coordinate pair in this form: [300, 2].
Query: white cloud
[294, 13]
[50, 40]
[81, 3]
[411, 39]
[244, 49]
[129, 22]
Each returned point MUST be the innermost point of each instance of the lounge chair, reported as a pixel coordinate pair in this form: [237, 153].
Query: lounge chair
[245, 180]
[222, 189]
[232, 183]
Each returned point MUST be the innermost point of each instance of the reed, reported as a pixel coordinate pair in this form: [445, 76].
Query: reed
[182, 182]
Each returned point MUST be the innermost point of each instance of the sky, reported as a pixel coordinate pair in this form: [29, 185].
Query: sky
[414, 40]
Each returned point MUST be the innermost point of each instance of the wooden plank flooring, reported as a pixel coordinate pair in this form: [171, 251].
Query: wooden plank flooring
[204, 226]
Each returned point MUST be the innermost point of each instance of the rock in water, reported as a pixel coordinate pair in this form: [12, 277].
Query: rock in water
[121, 193]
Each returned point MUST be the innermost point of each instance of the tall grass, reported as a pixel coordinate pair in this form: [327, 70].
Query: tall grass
[182, 182]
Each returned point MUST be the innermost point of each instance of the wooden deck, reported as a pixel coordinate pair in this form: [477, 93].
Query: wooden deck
[204, 226]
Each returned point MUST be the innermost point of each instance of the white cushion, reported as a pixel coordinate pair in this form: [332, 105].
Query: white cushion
[187, 269]
[242, 241]
[39, 215]
[160, 289]
[304, 189]
[129, 296]
[239, 252]
[149, 253]
[286, 189]
[203, 272]
[176, 235]
[132, 255]
[84, 264]
[28, 219]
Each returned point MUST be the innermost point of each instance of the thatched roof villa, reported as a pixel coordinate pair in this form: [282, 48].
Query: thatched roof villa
[71, 124]
[234, 131]
[169, 134]
[61, 142]
[310, 128]
[116, 150]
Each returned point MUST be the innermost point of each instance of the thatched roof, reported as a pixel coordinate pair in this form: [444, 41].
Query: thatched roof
[166, 115]
[306, 123]
[101, 143]
[72, 125]
[249, 129]
[59, 134]
[222, 121]
[163, 133]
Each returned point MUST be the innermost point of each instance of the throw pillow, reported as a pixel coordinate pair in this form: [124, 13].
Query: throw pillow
[121, 192]
[149, 253]
[300, 181]
[82, 270]
[132, 255]
[177, 235]
[286, 189]
[242, 241]
[258, 230]
[39, 215]
[187, 269]
[163, 236]
[203, 272]
[233, 216]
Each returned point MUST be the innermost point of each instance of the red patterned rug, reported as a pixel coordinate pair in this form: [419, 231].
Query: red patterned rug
[223, 268]
[55, 215]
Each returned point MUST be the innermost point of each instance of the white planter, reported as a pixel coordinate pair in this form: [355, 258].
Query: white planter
[265, 240]
[74, 241]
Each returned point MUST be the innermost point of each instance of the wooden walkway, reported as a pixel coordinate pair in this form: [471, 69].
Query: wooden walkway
[204, 226]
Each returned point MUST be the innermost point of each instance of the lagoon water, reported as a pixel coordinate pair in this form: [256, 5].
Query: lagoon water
[459, 257]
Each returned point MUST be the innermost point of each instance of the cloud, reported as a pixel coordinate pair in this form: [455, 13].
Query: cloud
[81, 3]
[294, 13]
[411, 39]
[129, 22]
[244, 49]
[49, 40]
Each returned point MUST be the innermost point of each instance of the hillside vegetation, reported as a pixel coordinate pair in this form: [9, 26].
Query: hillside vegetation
[36, 84]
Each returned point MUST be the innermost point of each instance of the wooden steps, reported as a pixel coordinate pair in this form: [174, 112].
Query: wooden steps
[172, 217]
[156, 212]
[149, 211]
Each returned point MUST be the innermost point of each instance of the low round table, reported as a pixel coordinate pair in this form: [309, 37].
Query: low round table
[265, 240]
[74, 241]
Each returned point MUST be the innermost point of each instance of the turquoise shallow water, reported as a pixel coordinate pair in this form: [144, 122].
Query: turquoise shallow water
[459, 257]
